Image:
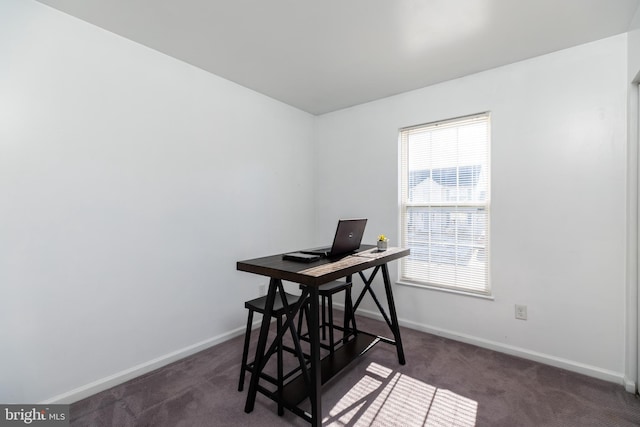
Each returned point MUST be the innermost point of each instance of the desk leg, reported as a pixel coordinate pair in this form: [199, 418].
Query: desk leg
[395, 328]
[262, 343]
[315, 393]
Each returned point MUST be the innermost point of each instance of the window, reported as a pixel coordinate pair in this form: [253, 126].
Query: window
[445, 204]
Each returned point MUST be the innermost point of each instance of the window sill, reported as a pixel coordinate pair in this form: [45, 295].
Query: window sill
[449, 291]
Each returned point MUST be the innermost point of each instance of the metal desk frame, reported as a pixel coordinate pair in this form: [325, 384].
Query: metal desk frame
[314, 371]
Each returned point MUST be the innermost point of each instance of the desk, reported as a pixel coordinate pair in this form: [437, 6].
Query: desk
[310, 276]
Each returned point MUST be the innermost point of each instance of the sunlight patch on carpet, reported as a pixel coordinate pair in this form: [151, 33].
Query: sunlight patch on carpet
[400, 400]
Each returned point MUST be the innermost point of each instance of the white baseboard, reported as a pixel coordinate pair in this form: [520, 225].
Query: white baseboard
[141, 369]
[570, 365]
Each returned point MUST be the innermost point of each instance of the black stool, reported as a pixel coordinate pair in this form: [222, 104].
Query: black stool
[326, 292]
[258, 305]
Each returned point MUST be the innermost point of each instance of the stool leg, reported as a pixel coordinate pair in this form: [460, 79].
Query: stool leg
[245, 352]
[324, 320]
[345, 321]
[306, 313]
[300, 319]
[349, 316]
[352, 315]
[330, 307]
[280, 369]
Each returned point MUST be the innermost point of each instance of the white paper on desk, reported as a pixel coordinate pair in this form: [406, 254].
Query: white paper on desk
[369, 253]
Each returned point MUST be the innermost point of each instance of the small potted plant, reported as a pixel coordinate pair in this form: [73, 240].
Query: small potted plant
[383, 242]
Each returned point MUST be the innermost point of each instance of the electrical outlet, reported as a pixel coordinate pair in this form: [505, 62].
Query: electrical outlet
[521, 312]
[262, 290]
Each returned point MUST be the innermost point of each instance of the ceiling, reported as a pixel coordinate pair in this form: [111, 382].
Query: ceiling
[324, 55]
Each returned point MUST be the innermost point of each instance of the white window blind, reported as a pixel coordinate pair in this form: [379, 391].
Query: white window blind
[445, 204]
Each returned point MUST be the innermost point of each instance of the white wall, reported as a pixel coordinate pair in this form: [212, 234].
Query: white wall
[558, 202]
[130, 184]
[634, 46]
[633, 78]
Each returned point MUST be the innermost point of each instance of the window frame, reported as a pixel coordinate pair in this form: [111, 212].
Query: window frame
[405, 206]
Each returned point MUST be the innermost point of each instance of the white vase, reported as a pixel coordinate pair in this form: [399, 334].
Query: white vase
[382, 245]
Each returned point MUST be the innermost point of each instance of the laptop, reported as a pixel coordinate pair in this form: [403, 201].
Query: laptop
[346, 241]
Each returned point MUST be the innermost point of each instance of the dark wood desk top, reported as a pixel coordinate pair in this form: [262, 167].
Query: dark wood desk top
[322, 271]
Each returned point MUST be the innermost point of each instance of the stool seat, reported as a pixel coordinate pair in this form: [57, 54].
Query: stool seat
[326, 292]
[333, 287]
[259, 304]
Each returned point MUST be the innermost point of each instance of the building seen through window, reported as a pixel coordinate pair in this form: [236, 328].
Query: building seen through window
[445, 203]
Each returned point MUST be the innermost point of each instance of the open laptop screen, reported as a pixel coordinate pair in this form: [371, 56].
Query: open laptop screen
[346, 240]
[348, 236]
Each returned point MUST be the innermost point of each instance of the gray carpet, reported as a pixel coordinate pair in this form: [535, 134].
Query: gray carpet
[444, 383]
